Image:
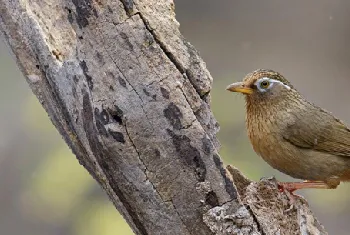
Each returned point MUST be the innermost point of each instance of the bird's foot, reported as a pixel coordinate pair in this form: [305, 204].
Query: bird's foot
[288, 188]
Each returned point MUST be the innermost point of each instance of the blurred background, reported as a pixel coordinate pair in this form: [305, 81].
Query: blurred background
[307, 41]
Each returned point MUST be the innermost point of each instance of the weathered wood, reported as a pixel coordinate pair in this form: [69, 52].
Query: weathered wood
[131, 98]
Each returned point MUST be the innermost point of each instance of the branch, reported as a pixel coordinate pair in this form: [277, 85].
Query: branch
[131, 98]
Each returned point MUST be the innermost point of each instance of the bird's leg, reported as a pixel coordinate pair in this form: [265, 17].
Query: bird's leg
[330, 183]
[293, 186]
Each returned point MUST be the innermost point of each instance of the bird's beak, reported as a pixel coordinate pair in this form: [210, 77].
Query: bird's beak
[240, 87]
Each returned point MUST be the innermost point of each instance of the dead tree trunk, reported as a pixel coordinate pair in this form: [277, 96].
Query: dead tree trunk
[131, 98]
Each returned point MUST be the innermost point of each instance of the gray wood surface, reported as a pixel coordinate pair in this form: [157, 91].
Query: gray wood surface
[131, 98]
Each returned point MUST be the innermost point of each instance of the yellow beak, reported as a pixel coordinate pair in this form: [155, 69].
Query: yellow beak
[239, 87]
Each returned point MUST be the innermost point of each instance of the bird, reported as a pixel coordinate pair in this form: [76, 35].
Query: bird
[293, 135]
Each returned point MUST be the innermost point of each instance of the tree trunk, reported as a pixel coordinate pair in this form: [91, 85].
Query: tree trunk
[131, 98]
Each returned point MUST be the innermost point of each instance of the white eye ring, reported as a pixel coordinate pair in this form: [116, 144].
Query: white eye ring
[263, 84]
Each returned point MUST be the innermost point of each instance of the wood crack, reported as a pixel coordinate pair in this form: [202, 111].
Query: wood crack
[256, 220]
[170, 56]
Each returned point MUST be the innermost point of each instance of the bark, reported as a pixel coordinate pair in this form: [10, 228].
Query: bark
[131, 98]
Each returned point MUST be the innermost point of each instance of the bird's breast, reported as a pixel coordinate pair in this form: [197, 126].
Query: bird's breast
[267, 141]
[263, 133]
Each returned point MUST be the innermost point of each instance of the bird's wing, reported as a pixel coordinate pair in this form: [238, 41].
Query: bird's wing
[321, 132]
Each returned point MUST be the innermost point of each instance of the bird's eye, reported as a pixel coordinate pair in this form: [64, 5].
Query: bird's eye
[265, 84]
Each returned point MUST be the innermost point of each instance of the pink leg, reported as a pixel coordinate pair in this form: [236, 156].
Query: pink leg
[292, 186]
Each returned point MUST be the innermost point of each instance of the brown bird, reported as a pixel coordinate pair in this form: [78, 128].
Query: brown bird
[293, 135]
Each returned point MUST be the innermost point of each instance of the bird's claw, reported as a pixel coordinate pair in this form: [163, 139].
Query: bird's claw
[282, 187]
[288, 190]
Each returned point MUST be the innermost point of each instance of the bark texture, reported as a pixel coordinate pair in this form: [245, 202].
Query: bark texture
[131, 98]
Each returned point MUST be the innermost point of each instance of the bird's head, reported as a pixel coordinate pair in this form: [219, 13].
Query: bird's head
[263, 85]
